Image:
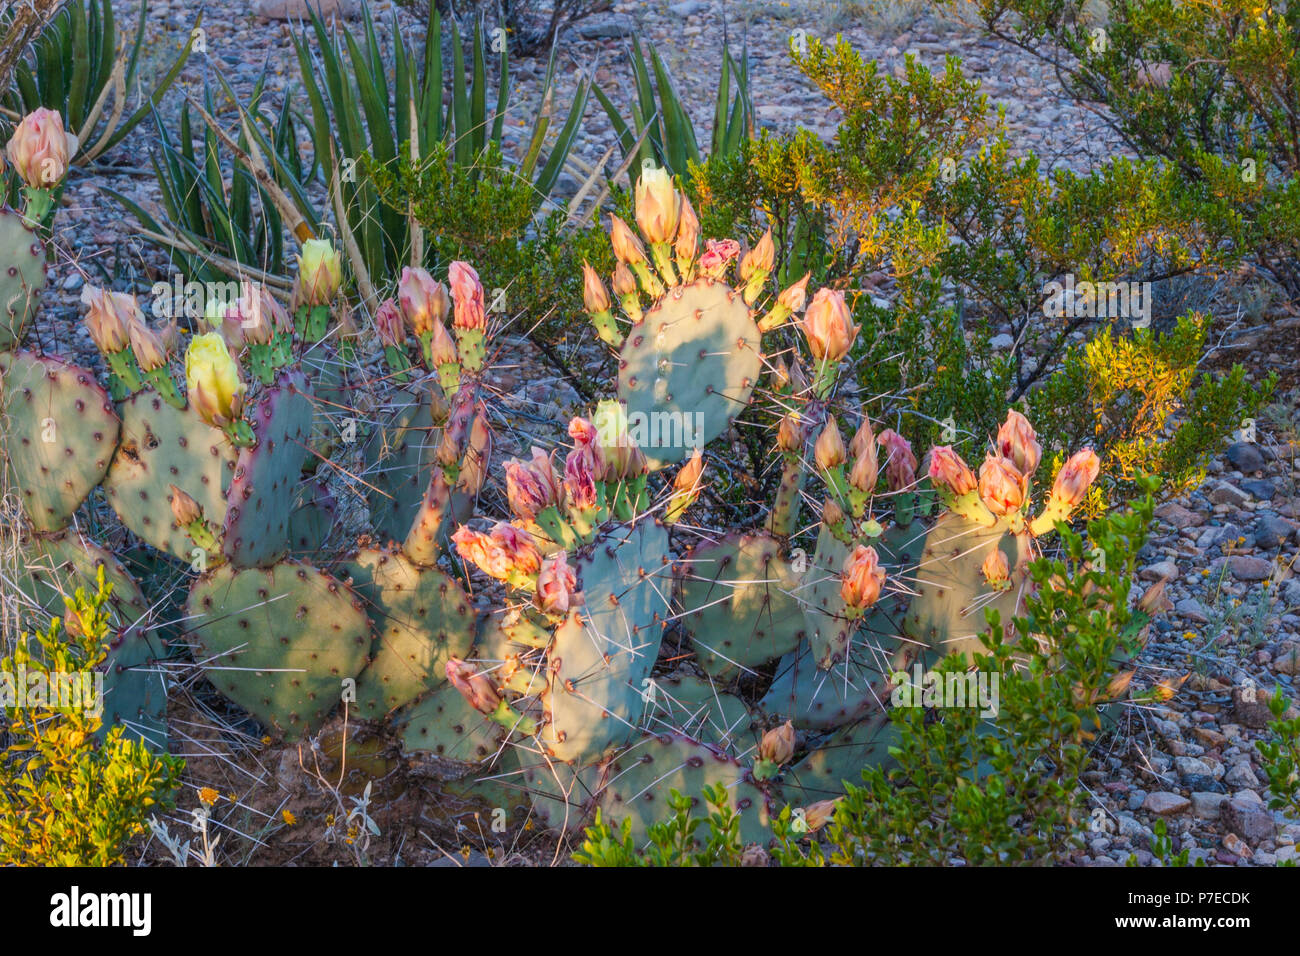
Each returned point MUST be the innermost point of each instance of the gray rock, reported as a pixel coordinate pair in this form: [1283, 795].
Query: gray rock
[1164, 803]
[1192, 610]
[1241, 775]
[1246, 456]
[1161, 569]
[687, 8]
[1250, 707]
[1286, 658]
[1129, 826]
[1250, 821]
[1226, 493]
[609, 27]
[1291, 592]
[1246, 567]
[1260, 488]
[1191, 767]
[299, 9]
[1206, 805]
[1000, 343]
[1273, 531]
[1179, 517]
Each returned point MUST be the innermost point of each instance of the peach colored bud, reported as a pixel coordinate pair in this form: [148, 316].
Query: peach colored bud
[780, 374]
[790, 434]
[718, 254]
[829, 449]
[532, 486]
[832, 513]
[594, 297]
[40, 149]
[389, 324]
[688, 231]
[518, 547]
[948, 470]
[687, 481]
[795, 297]
[1003, 489]
[900, 463]
[185, 509]
[778, 744]
[109, 317]
[863, 578]
[147, 346]
[627, 247]
[557, 585]
[473, 685]
[1075, 477]
[828, 325]
[423, 300]
[467, 296]
[1017, 441]
[623, 282]
[474, 468]
[658, 205]
[442, 347]
[997, 571]
[819, 814]
[865, 471]
[759, 260]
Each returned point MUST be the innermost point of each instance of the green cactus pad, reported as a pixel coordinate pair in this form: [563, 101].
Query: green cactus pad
[601, 657]
[22, 277]
[842, 757]
[420, 618]
[162, 446]
[819, 699]
[135, 694]
[828, 631]
[335, 421]
[58, 431]
[399, 455]
[687, 369]
[445, 725]
[260, 499]
[278, 641]
[496, 786]
[947, 613]
[637, 782]
[695, 707]
[312, 519]
[737, 603]
[562, 795]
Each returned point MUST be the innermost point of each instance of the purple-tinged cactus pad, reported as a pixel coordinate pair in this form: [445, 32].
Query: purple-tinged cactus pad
[22, 276]
[161, 446]
[58, 431]
[261, 496]
[279, 642]
[399, 455]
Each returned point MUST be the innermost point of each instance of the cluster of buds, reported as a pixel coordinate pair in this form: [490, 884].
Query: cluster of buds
[41, 150]
[424, 304]
[263, 326]
[136, 354]
[1002, 490]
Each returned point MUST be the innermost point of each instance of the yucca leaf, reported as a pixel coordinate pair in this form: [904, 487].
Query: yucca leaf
[563, 143]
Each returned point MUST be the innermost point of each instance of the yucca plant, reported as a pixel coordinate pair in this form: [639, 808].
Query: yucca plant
[661, 132]
[80, 66]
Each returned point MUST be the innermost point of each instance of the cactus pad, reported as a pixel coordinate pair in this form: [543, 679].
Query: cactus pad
[398, 455]
[278, 641]
[737, 603]
[842, 757]
[445, 725]
[260, 499]
[58, 434]
[697, 708]
[22, 276]
[162, 446]
[420, 618]
[687, 369]
[821, 699]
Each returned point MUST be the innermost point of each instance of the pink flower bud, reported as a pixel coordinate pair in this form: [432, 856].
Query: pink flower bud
[947, 470]
[580, 478]
[532, 486]
[1076, 477]
[900, 464]
[778, 744]
[442, 347]
[1003, 489]
[795, 297]
[185, 509]
[148, 348]
[996, 570]
[688, 231]
[557, 585]
[518, 547]
[389, 324]
[1016, 440]
[791, 434]
[829, 449]
[627, 246]
[718, 254]
[862, 579]
[623, 282]
[467, 294]
[594, 297]
[686, 484]
[473, 685]
[423, 300]
[828, 325]
[109, 317]
[40, 149]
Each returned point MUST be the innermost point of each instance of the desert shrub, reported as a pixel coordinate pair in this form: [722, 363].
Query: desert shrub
[65, 798]
[963, 788]
[1280, 756]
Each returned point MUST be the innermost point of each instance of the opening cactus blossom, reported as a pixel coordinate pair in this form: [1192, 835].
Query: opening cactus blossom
[688, 233]
[150, 353]
[628, 247]
[862, 579]
[518, 547]
[1003, 489]
[819, 814]
[423, 300]
[586, 437]
[718, 254]
[658, 206]
[594, 296]
[40, 149]
[1076, 477]
[829, 449]
[790, 433]
[795, 297]
[759, 260]
[320, 273]
[622, 458]
[557, 585]
[212, 380]
[900, 462]
[580, 478]
[996, 570]
[390, 326]
[109, 317]
[949, 471]
[469, 307]
[532, 485]
[473, 685]
[828, 326]
[777, 745]
[1017, 441]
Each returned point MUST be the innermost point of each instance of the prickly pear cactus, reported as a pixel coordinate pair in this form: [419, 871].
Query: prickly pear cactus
[278, 641]
[162, 446]
[22, 277]
[696, 707]
[420, 618]
[689, 367]
[260, 499]
[740, 603]
[443, 724]
[840, 758]
[398, 455]
[58, 438]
